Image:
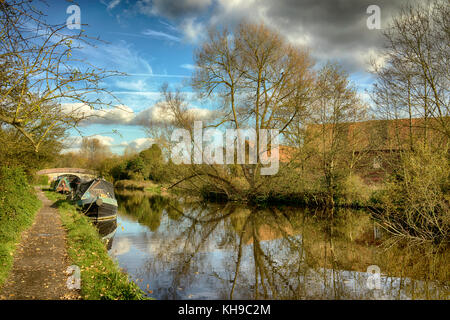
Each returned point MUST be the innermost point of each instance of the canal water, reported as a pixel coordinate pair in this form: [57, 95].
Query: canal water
[178, 249]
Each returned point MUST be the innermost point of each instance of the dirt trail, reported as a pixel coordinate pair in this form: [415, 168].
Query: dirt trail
[40, 260]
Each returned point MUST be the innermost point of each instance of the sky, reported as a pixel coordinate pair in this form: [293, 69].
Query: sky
[153, 42]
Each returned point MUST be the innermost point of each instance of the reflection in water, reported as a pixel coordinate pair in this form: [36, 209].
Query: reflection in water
[209, 251]
[107, 230]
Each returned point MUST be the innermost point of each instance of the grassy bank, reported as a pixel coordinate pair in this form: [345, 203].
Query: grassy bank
[138, 185]
[100, 275]
[18, 206]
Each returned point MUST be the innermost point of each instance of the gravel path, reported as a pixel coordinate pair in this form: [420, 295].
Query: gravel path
[40, 260]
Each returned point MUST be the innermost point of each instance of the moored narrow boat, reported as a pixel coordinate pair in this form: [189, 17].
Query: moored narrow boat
[65, 183]
[97, 200]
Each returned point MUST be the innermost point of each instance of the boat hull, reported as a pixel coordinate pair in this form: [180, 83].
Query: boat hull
[104, 212]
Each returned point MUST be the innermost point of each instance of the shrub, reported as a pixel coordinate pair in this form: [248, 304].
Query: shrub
[354, 191]
[16, 194]
[40, 180]
[130, 184]
[415, 201]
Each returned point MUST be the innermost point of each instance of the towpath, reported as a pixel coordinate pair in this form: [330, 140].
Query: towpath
[40, 260]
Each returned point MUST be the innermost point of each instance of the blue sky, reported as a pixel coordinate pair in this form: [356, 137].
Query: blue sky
[153, 42]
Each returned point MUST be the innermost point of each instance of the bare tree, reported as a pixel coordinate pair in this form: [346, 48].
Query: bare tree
[336, 107]
[172, 112]
[414, 82]
[40, 70]
[261, 81]
[93, 150]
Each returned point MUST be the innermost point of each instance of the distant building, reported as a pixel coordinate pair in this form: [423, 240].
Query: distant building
[375, 143]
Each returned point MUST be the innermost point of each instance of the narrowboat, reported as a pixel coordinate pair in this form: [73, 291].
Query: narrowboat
[66, 183]
[96, 199]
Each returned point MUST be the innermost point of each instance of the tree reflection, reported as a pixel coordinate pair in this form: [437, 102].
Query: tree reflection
[234, 251]
[148, 210]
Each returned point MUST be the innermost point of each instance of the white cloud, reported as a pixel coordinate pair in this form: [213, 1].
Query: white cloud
[120, 56]
[138, 85]
[365, 97]
[118, 115]
[373, 58]
[113, 4]
[138, 144]
[158, 114]
[120, 246]
[193, 31]
[160, 35]
[154, 113]
[124, 115]
[168, 26]
[104, 140]
[230, 6]
[188, 66]
[73, 143]
[200, 114]
[182, 12]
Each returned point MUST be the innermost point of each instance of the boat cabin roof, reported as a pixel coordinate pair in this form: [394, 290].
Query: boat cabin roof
[97, 187]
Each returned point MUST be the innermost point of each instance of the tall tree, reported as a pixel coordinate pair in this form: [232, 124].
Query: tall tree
[261, 81]
[413, 82]
[336, 107]
[94, 151]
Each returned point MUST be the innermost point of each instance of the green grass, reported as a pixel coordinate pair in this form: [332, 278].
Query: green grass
[146, 185]
[18, 206]
[11, 229]
[101, 277]
[154, 189]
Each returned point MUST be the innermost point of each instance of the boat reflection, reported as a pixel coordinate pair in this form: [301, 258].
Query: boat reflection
[107, 230]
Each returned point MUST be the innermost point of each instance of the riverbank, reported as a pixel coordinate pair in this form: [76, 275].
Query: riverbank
[18, 206]
[101, 277]
[145, 186]
[356, 196]
[139, 185]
